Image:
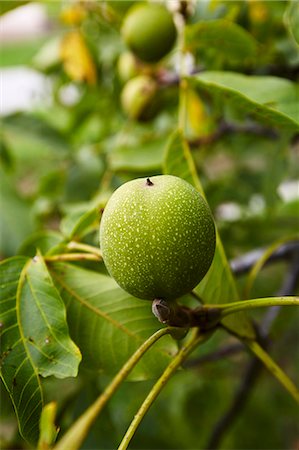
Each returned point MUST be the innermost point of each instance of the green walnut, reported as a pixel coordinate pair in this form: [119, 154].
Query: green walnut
[138, 98]
[157, 237]
[149, 31]
[127, 66]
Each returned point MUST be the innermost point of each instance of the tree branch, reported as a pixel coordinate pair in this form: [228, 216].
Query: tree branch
[245, 262]
[226, 128]
[254, 367]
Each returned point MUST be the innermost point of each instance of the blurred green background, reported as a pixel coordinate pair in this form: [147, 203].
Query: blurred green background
[66, 144]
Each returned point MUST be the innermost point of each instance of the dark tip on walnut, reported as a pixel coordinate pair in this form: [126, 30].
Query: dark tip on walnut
[149, 182]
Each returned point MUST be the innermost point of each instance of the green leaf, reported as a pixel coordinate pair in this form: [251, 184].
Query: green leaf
[270, 100]
[26, 132]
[145, 156]
[218, 286]
[43, 319]
[227, 39]
[8, 5]
[79, 223]
[17, 222]
[108, 324]
[18, 371]
[292, 19]
[41, 241]
[6, 158]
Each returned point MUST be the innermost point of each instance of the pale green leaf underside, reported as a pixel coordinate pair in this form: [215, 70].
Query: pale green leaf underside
[18, 372]
[108, 324]
[270, 100]
[43, 321]
[218, 285]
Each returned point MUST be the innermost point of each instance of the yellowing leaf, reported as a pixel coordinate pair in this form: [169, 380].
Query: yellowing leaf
[199, 122]
[258, 11]
[73, 15]
[76, 58]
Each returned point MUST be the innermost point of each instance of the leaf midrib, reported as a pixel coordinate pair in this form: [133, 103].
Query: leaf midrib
[95, 309]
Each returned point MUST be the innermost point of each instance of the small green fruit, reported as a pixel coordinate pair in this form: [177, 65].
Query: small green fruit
[127, 66]
[138, 98]
[149, 31]
[157, 237]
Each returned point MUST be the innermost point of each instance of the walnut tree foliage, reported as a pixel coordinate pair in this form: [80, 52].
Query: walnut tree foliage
[224, 116]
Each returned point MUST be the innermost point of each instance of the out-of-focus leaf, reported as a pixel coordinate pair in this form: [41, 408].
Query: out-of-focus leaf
[48, 56]
[44, 326]
[84, 176]
[21, 126]
[20, 53]
[145, 156]
[230, 41]
[292, 19]
[271, 100]
[218, 285]
[18, 371]
[41, 241]
[16, 221]
[73, 14]
[199, 120]
[5, 154]
[8, 5]
[108, 324]
[78, 224]
[77, 61]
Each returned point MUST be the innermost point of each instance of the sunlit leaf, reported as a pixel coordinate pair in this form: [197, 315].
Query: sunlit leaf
[76, 58]
[108, 324]
[43, 320]
[270, 100]
[18, 370]
[218, 286]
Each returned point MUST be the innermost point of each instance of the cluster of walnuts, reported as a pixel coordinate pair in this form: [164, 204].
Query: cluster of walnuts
[149, 33]
[157, 234]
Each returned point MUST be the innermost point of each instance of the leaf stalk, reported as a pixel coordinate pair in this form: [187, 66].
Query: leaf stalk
[232, 308]
[176, 362]
[75, 436]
